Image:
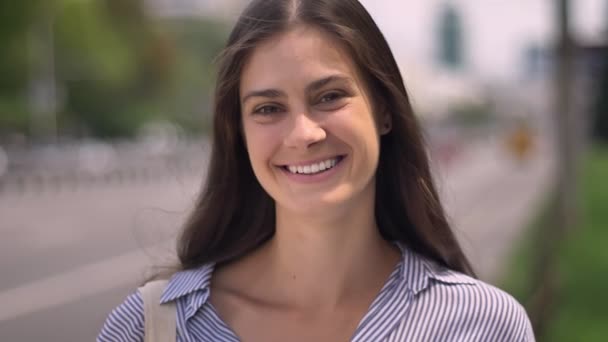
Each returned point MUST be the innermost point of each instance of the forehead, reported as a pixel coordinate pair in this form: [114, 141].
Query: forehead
[302, 54]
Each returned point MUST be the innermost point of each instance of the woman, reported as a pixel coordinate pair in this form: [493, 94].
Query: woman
[319, 220]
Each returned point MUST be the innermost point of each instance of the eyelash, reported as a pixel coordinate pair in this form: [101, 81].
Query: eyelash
[260, 110]
[335, 96]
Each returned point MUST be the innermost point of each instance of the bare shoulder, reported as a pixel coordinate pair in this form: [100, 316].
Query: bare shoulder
[126, 322]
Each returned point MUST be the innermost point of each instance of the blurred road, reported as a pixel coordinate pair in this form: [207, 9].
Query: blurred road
[68, 258]
[490, 198]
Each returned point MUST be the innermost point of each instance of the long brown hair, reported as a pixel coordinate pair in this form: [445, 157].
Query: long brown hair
[234, 215]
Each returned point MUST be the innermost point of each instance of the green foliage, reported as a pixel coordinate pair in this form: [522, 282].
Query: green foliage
[580, 311]
[110, 64]
[518, 282]
[583, 264]
[15, 18]
[14, 63]
[88, 46]
[115, 68]
[13, 117]
[197, 42]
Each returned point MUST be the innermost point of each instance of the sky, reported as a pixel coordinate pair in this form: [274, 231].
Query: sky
[496, 31]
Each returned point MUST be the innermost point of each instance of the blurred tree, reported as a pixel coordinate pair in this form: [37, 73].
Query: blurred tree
[115, 68]
[15, 19]
[197, 42]
[111, 61]
[450, 37]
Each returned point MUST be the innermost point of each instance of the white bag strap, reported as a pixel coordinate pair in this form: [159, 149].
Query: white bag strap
[159, 320]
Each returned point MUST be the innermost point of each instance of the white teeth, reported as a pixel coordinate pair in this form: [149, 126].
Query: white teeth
[313, 168]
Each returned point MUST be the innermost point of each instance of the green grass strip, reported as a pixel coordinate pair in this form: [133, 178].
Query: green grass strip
[580, 309]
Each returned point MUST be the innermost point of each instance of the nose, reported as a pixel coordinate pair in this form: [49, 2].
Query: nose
[304, 132]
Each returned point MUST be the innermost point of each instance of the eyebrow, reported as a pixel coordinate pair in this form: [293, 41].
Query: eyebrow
[314, 86]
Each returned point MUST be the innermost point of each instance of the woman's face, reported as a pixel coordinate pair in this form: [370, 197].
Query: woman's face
[310, 132]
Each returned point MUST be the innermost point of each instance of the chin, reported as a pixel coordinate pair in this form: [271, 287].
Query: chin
[322, 203]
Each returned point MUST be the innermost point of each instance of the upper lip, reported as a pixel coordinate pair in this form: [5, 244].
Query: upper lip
[313, 161]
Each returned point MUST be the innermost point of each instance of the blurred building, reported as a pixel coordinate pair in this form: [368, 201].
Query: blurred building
[593, 59]
[589, 64]
[435, 91]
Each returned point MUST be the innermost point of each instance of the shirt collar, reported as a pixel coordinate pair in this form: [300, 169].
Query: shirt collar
[419, 271]
[185, 282]
[415, 269]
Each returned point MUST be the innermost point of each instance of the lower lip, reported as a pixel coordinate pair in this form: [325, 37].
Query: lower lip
[316, 178]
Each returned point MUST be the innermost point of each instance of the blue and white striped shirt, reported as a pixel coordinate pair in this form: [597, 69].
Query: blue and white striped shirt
[421, 301]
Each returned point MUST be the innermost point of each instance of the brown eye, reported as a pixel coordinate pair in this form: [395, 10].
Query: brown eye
[330, 97]
[332, 100]
[267, 110]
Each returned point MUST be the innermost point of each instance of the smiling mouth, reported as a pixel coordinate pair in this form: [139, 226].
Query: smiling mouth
[315, 168]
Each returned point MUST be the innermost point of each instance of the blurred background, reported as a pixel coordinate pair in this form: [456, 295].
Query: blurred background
[104, 124]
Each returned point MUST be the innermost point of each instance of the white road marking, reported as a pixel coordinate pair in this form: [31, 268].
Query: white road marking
[120, 271]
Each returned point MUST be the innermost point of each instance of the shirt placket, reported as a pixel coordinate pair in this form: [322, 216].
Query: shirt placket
[385, 314]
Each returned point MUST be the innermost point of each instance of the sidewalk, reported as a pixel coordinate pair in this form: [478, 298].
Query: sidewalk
[491, 199]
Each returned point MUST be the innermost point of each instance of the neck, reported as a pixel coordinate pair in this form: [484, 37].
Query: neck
[326, 260]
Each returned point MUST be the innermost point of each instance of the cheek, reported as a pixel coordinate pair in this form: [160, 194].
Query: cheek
[366, 142]
[261, 142]
[359, 127]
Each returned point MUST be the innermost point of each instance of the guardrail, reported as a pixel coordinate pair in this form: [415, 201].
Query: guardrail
[68, 167]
